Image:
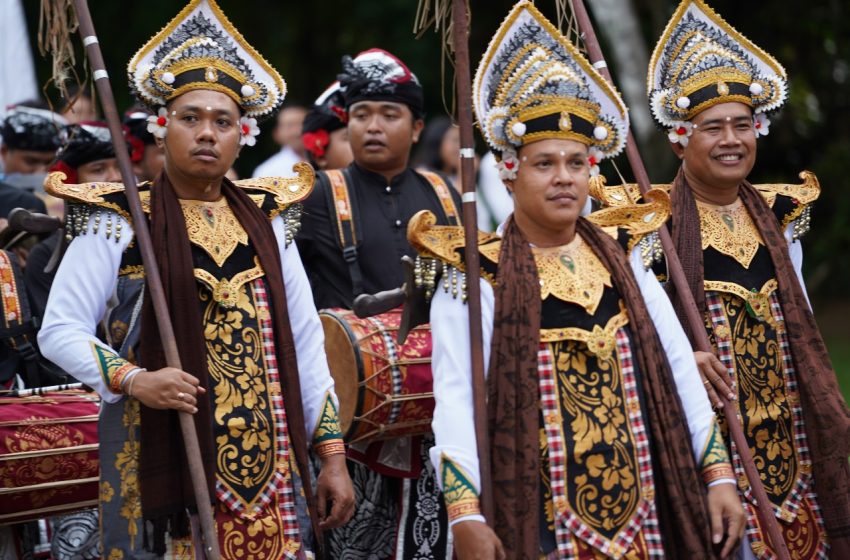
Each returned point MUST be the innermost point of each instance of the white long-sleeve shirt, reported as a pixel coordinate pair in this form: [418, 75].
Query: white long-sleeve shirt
[86, 283]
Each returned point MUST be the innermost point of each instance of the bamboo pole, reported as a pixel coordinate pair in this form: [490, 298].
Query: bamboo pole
[460, 41]
[677, 276]
[152, 276]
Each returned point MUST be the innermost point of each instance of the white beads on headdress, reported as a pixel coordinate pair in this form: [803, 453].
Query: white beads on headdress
[167, 78]
[683, 102]
[756, 88]
[247, 91]
[600, 133]
[518, 128]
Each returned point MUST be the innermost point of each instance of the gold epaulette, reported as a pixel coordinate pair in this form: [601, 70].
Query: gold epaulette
[442, 244]
[638, 220]
[285, 191]
[95, 194]
[805, 193]
[801, 196]
[618, 195]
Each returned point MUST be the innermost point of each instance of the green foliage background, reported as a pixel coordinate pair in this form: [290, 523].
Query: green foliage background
[305, 40]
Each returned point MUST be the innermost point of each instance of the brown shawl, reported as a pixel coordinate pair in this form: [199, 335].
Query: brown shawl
[825, 413]
[513, 405]
[166, 487]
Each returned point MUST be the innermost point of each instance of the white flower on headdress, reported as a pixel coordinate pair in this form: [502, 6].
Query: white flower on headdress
[680, 133]
[249, 130]
[594, 157]
[762, 124]
[158, 124]
[508, 165]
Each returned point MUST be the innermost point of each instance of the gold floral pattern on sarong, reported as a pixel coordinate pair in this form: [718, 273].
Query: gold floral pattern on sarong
[763, 399]
[259, 537]
[730, 230]
[243, 422]
[127, 465]
[602, 461]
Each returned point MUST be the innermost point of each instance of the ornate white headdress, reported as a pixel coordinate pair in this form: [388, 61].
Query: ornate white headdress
[533, 84]
[701, 61]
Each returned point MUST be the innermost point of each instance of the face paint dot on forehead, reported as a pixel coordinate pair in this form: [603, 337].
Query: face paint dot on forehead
[563, 153]
[209, 108]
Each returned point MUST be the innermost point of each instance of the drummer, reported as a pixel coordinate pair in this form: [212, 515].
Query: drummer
[358, 250]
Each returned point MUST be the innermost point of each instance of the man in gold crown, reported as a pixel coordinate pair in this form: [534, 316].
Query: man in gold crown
[603, 443]
[254, 369]
[712, 89]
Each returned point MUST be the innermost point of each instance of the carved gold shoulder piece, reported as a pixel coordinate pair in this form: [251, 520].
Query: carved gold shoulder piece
[96, 194]
[440, 242]
[618, 195]
[86, 193]
[805, 193]
[637, 219]
[286, 190]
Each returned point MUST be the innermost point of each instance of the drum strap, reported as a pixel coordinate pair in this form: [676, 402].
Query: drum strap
[342, 206]
[17, 326]
[441, 189]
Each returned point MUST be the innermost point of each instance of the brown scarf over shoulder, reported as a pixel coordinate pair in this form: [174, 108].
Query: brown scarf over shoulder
[166, 487]
[513, 406]
[825, 413]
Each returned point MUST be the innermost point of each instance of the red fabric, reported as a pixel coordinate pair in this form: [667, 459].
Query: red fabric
[70, 172]
[36, 426]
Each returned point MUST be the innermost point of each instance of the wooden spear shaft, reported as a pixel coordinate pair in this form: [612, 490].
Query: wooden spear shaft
[152, 277]
[460, 41]
[677, 275]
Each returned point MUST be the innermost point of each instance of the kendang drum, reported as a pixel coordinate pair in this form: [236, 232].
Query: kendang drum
[385, 389]
[48, 454]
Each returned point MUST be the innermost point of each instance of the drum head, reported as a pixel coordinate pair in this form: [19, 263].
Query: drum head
[344, 364]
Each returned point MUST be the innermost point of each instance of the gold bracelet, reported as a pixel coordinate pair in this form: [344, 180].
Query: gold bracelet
[330, 447]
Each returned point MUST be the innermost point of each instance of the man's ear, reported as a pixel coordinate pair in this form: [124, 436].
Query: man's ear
[509, 184]
[418, 125]
[678, 149]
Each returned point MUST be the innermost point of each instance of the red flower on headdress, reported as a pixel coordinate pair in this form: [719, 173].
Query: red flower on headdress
[316, 142]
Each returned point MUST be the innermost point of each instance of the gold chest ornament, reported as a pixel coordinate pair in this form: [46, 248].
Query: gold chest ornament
[730, 230]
